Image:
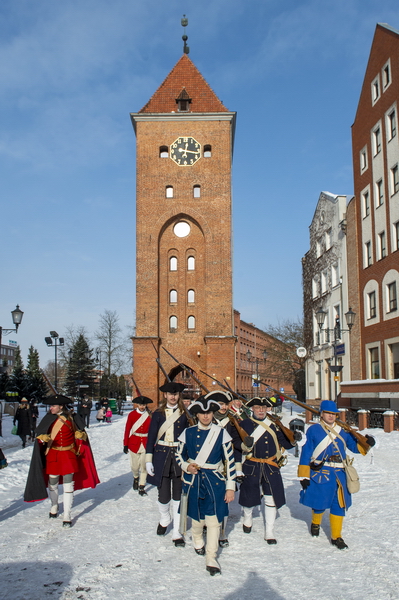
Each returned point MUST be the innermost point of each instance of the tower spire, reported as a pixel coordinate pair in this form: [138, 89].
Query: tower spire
[184, 23]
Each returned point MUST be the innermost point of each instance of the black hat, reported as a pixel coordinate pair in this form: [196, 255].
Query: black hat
[142, 400]
[219, 396]
[203, 404]
[259, 402]
[57, 399]
[172, 387]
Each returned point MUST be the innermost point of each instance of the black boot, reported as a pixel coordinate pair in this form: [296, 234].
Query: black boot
[136, 483]
[314, 530]
[161, 530]
[339, 543]
[200, 551]
[142, 491]
[213, 571]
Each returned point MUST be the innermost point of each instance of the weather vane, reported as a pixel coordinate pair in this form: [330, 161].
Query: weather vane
[184, 23]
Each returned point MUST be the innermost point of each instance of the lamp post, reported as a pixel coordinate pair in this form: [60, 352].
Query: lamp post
[256, 360]
[49, 341]
[98, 361]
[336, 332]
[17, 315]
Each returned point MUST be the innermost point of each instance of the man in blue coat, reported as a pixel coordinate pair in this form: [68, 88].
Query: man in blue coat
[262, 455]
[167, 423]
[206, 456]
[322, 473]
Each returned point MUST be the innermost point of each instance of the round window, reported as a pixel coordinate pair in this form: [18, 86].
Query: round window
[181, 229]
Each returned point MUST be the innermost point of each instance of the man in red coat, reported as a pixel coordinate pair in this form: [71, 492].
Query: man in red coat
[135, 442]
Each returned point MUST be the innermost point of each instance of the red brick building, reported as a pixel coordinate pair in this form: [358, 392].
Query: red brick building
[373, 228]
[185, 141]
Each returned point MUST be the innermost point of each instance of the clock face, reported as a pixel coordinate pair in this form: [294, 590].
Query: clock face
[185, 151]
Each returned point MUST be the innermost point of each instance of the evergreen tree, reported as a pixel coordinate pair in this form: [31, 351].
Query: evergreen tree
[80, 375]
[18, 378]
[36, 386]
[5, 384]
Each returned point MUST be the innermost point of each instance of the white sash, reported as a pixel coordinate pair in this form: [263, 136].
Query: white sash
[139, 422]
[325, 442]
[223, 422]
[168, 423]
[208, 445]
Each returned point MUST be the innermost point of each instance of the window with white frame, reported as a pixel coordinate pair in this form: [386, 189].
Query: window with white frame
[381, 245]
[379, 193]
[173, 297]
[363, 159]
[394, 180]
[197, 191]
[377, 141]
[173, 263]
[392, 297]
[319, 247]
[191, 263]
[334, 275]
[375, 89]
[315, 287]
[172, 323]
[169, 191]
[367, 254]
[372, 306]
[374, 363]
[366, 204]
[396, 235]
[191, 322]
[386, 75]
[391, 124]
[328, 238]
[191, 296]
[324, 281]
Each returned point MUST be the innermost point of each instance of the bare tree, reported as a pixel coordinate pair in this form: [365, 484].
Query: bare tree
[111, 341]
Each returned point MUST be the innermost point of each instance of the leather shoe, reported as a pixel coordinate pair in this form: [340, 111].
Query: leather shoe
[314, 530]
[339, 543]
[246, 529]
[224, 543]
[200, 551]
[179, 543]
[136, 483]
[213, 571]
[161, 530]
[271, 541]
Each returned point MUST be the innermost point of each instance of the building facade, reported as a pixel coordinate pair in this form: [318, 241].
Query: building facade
[325, 287]
[185, 141]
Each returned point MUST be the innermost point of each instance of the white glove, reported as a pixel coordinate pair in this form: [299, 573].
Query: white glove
[150, 469]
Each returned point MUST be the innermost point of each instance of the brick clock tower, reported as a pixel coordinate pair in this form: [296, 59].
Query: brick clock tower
[183, 231]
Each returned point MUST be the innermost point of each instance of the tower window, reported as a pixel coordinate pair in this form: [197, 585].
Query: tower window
[173, 297]
[366, 204]
[163, 152]
[381, 245]
[392, 124]
[395, 179]
[367, 254]
[191, 263]
[197, 191]
[372, 305]
[172, 323]
[169, 191]
[392, 297]
[377, 141]
[379, 188]
[375, 89]
[183, 101]
[173, 263]
[207, 151]
[191, 322]
[191, 296]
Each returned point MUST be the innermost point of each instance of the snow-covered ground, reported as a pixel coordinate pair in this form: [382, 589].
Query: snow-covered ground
[113, 552]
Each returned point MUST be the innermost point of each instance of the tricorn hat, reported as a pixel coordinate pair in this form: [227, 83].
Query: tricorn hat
[57, 399]
[219, 396]
[172, 387]
[142, 400]
[259, 402]
[203, 404]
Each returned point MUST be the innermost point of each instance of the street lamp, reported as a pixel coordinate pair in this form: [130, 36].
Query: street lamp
[17, 315]
[256, 360]
[98, 362]
[49, 342]
[336, 332]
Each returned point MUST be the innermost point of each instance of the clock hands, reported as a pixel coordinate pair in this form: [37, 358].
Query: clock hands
[185, 151]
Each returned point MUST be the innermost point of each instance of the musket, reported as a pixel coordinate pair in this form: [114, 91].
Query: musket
[233, 419]
[189, 417]
[139, 393]
[47, 380]
[187, 370]
[359, 437]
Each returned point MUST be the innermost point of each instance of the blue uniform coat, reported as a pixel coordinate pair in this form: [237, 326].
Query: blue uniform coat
[323, 483]
[161, 454]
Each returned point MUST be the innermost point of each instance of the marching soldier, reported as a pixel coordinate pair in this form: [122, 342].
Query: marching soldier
[262, 458]
[135, 442]
[322, 473]
[205, 454]
[167, 423]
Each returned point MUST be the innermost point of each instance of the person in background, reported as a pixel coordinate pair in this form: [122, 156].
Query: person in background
[24, 420]
[135, 441]
[84, 409]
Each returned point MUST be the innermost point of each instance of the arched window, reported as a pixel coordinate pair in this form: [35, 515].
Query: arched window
[191, 263]
[197, 191]
[169, 191]
[173, 297]
[191, 322]
[163, 152]
[207, 151]
[173, 263]
[191, 296]
[172, 323]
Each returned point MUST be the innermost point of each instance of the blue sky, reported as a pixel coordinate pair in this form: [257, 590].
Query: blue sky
[72, 71]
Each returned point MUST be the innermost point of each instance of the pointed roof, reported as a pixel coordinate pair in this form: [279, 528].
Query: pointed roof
[184, 78]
